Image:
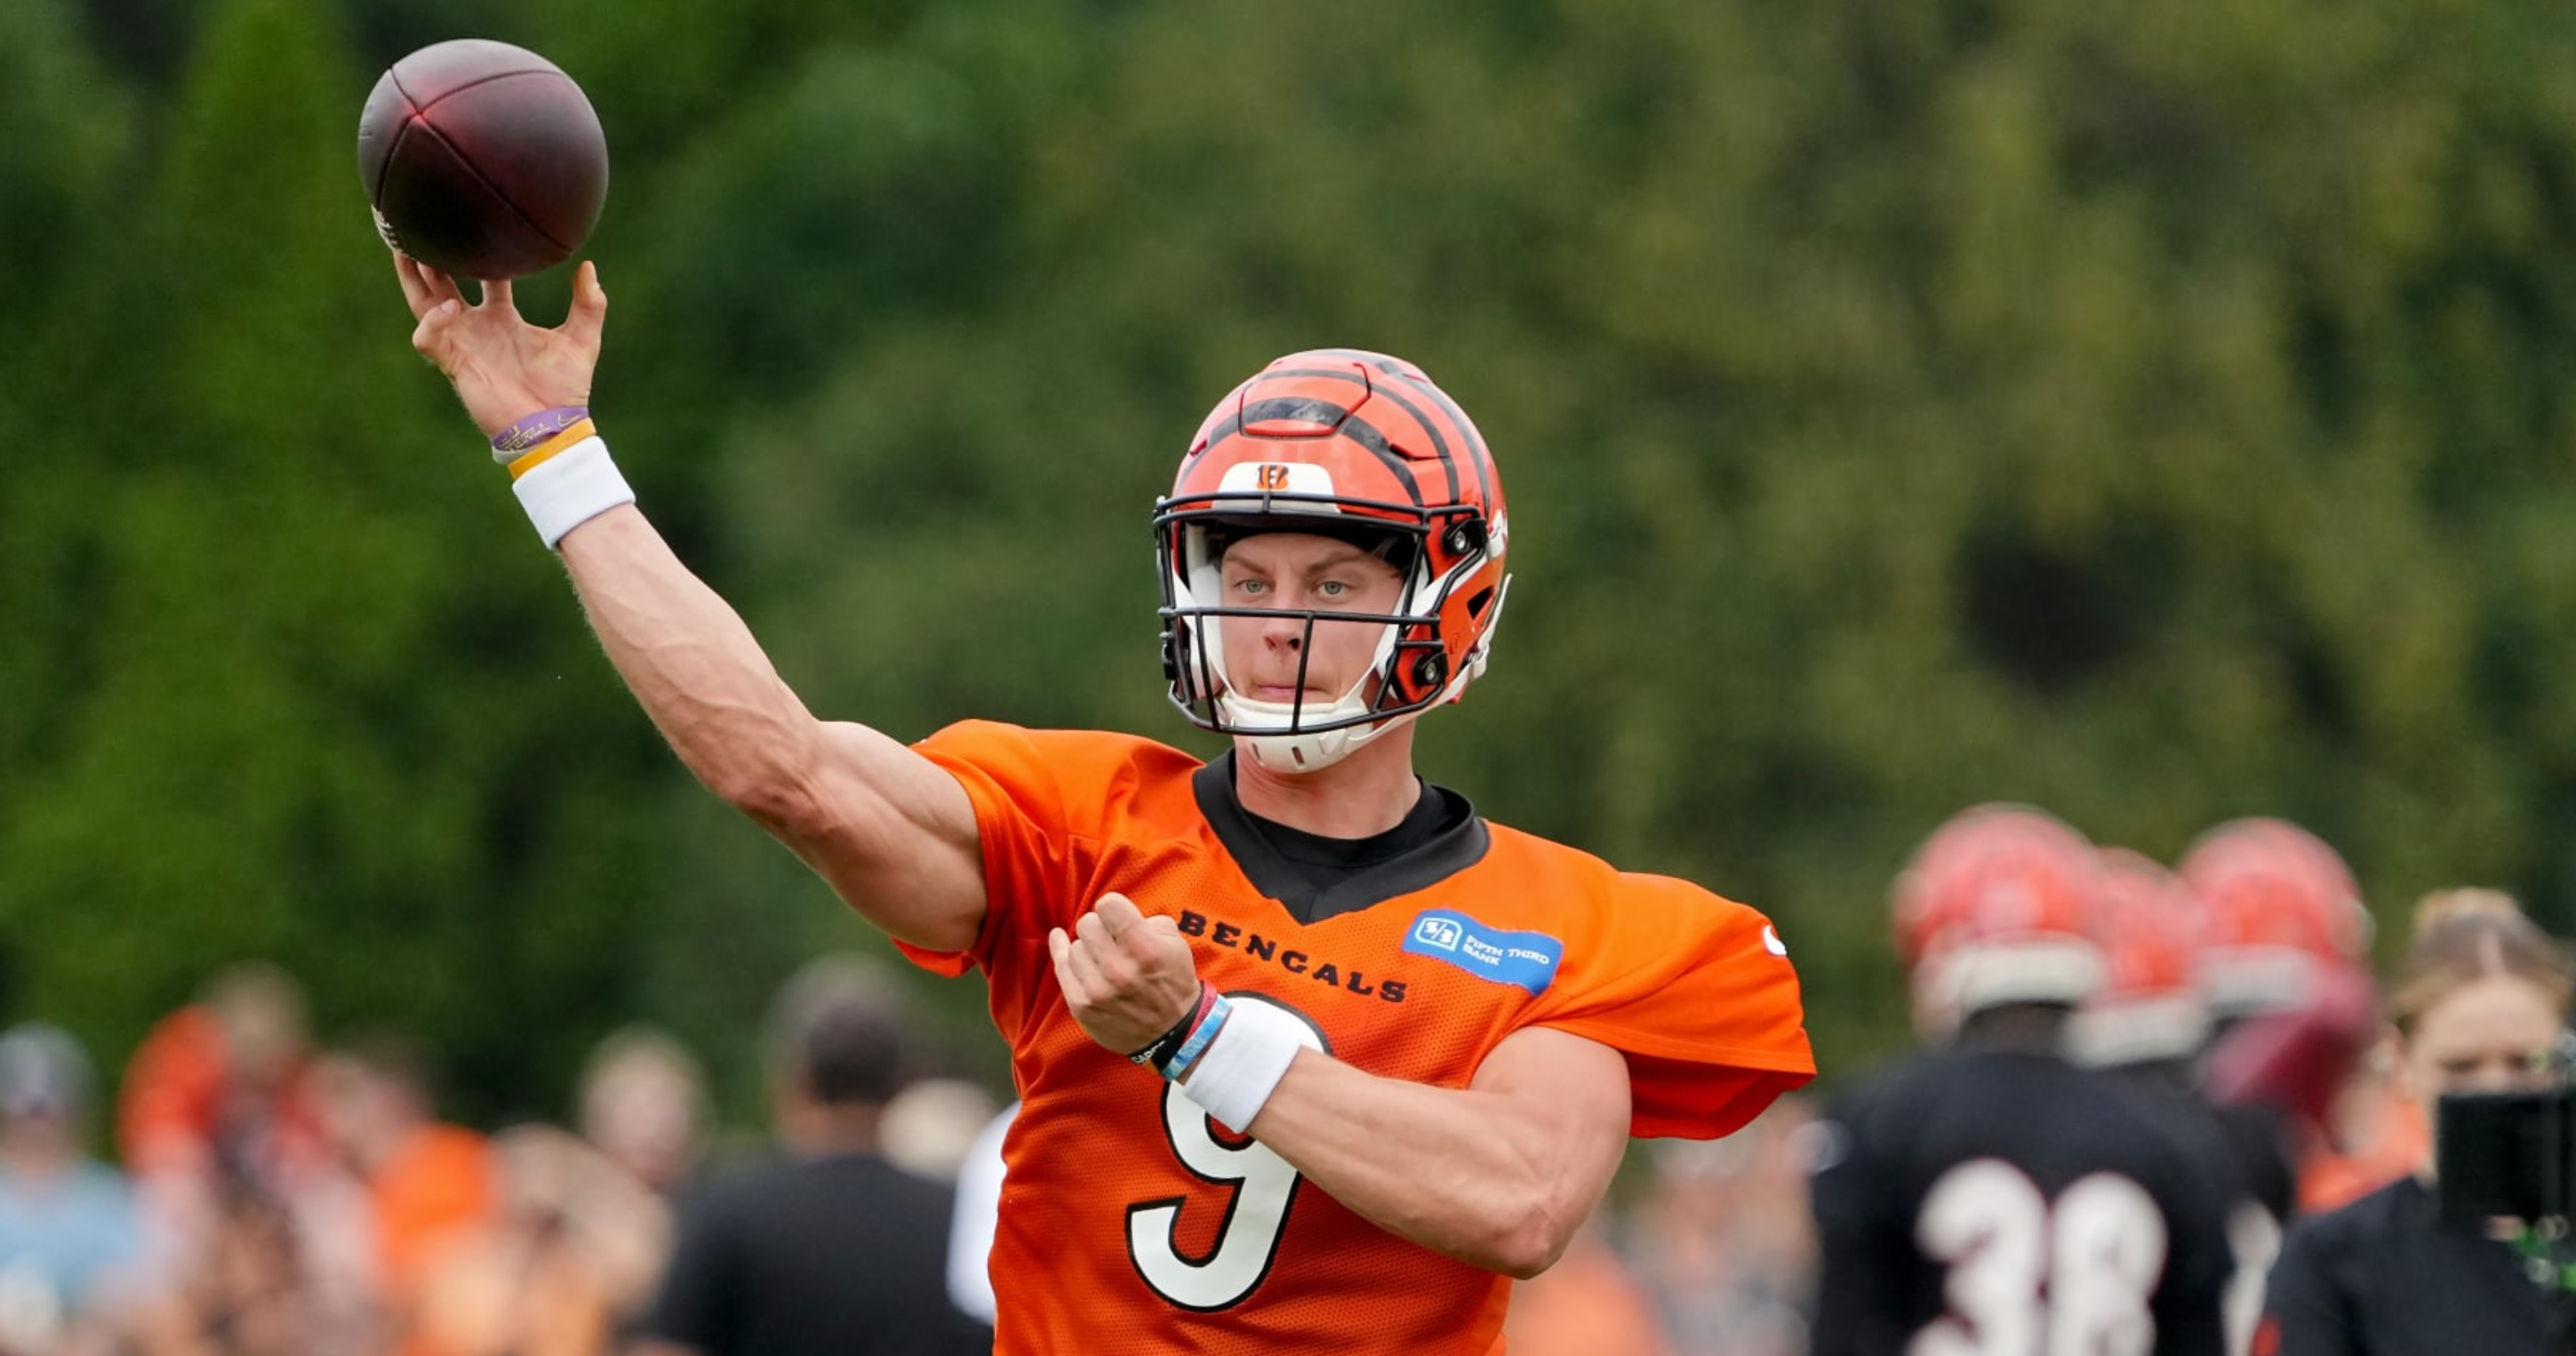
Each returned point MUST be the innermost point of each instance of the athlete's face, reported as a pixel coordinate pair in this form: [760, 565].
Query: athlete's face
[2493, 1034]
[1295, 572]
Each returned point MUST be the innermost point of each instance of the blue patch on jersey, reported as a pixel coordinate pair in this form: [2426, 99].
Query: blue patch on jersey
[1528, 959]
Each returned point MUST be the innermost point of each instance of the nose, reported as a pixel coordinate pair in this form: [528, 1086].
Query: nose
[1283, 633]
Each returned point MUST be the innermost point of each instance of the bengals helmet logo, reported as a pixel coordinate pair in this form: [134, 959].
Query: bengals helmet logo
[1271, 476]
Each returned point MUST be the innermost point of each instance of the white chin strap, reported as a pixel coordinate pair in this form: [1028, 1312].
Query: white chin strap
[1294, 753]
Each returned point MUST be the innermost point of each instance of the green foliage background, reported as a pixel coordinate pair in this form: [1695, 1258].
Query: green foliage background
[2154, 412]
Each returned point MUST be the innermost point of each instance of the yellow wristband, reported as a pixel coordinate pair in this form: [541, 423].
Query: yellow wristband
[541, 453]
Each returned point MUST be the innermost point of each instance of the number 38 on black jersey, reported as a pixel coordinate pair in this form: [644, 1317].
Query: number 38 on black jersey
[1989, 1203]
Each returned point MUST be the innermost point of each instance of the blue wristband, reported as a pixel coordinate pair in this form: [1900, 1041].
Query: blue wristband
[1199, 1040]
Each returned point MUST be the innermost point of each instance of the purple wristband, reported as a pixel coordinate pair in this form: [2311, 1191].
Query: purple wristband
[538, 427]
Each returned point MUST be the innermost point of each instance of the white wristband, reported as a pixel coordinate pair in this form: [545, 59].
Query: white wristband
[1244, 1065]
[571, 488]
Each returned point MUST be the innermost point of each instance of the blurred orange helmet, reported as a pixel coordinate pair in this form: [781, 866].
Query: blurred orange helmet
[2150, 1006]
[1336, 442]
[2282, 912]
[1997, 907]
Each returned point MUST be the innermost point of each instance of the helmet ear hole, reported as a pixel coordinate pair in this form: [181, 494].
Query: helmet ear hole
[1476, 603]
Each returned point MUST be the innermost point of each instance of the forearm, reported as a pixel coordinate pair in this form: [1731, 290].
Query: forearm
[1498, 1180]
[690, 660]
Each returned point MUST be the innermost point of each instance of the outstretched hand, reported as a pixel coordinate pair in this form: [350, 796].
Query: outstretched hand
[504, 368]
[1127, 978]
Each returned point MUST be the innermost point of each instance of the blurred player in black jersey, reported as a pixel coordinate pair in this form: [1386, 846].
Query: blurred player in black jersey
[1988, 1195]
[2146, 1027]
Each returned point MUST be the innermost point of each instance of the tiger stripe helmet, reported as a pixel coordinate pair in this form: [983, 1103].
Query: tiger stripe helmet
[1336, 442]
[2150, 1008]
[2284, 914]
[1998, 907]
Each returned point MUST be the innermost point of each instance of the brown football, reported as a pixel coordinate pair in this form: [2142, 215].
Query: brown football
[482, 159]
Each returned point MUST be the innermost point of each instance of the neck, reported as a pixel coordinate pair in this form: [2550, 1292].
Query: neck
[824, 1129]
[1363, 795]
[2038, 1028]
[32, 1158]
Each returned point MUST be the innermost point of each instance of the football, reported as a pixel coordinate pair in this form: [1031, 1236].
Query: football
[482, 160]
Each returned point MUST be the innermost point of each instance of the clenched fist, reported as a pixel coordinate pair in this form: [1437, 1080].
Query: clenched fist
[1127, 978]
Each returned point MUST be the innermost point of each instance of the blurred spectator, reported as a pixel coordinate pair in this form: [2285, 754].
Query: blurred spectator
[2478, 1004]
[575, 1249]
[833, 1250]
[932, 1125]
[1724, 1241]
[644, 1104]
[428, 1186]
[220, 1087]
[1588, 1304]
[248, 1286]
[72, 1253]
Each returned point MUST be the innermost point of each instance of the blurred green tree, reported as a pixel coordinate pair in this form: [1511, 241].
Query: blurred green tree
[2156, 414]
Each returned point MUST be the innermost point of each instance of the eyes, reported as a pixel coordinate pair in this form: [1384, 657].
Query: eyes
[2461, 1068]
[1252, 586]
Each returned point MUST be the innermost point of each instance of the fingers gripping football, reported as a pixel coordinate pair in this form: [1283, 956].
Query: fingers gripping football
[1126, 978]
[503, 367]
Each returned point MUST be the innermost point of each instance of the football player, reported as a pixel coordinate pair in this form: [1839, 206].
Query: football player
[1312, 1056]
[1988, 1195]
[2147, 1025]
[2285, 965]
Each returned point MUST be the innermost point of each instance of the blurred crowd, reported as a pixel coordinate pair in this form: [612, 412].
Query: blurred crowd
[278, 1196]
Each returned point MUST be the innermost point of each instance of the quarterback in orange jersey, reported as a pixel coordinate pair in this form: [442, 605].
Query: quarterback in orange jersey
[1312, 1057]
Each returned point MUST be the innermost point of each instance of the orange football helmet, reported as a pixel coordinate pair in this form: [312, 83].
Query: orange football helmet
[1998, 906]
[2150, 1005]
[2282, 909]
[1337, 442]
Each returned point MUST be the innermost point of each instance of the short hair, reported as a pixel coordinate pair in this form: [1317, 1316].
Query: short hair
[839, 1029]
[2465, 935]
[43, 1071]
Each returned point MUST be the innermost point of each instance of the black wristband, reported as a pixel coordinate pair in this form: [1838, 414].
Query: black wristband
[1159, 1052]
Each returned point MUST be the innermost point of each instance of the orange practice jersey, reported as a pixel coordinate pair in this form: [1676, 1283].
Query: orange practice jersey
[1131, 1222]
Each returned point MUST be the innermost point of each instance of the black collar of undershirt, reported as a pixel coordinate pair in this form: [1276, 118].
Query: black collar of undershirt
[1315, 877]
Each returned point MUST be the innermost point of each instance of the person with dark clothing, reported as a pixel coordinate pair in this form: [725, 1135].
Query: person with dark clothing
[2388, 1274]
[1989, 1195]
[2147, 1027]
[831, 1251]
[2478, 1004]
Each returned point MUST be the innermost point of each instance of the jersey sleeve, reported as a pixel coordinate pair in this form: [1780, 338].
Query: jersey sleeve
[1698, 993]
[1021, 822]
